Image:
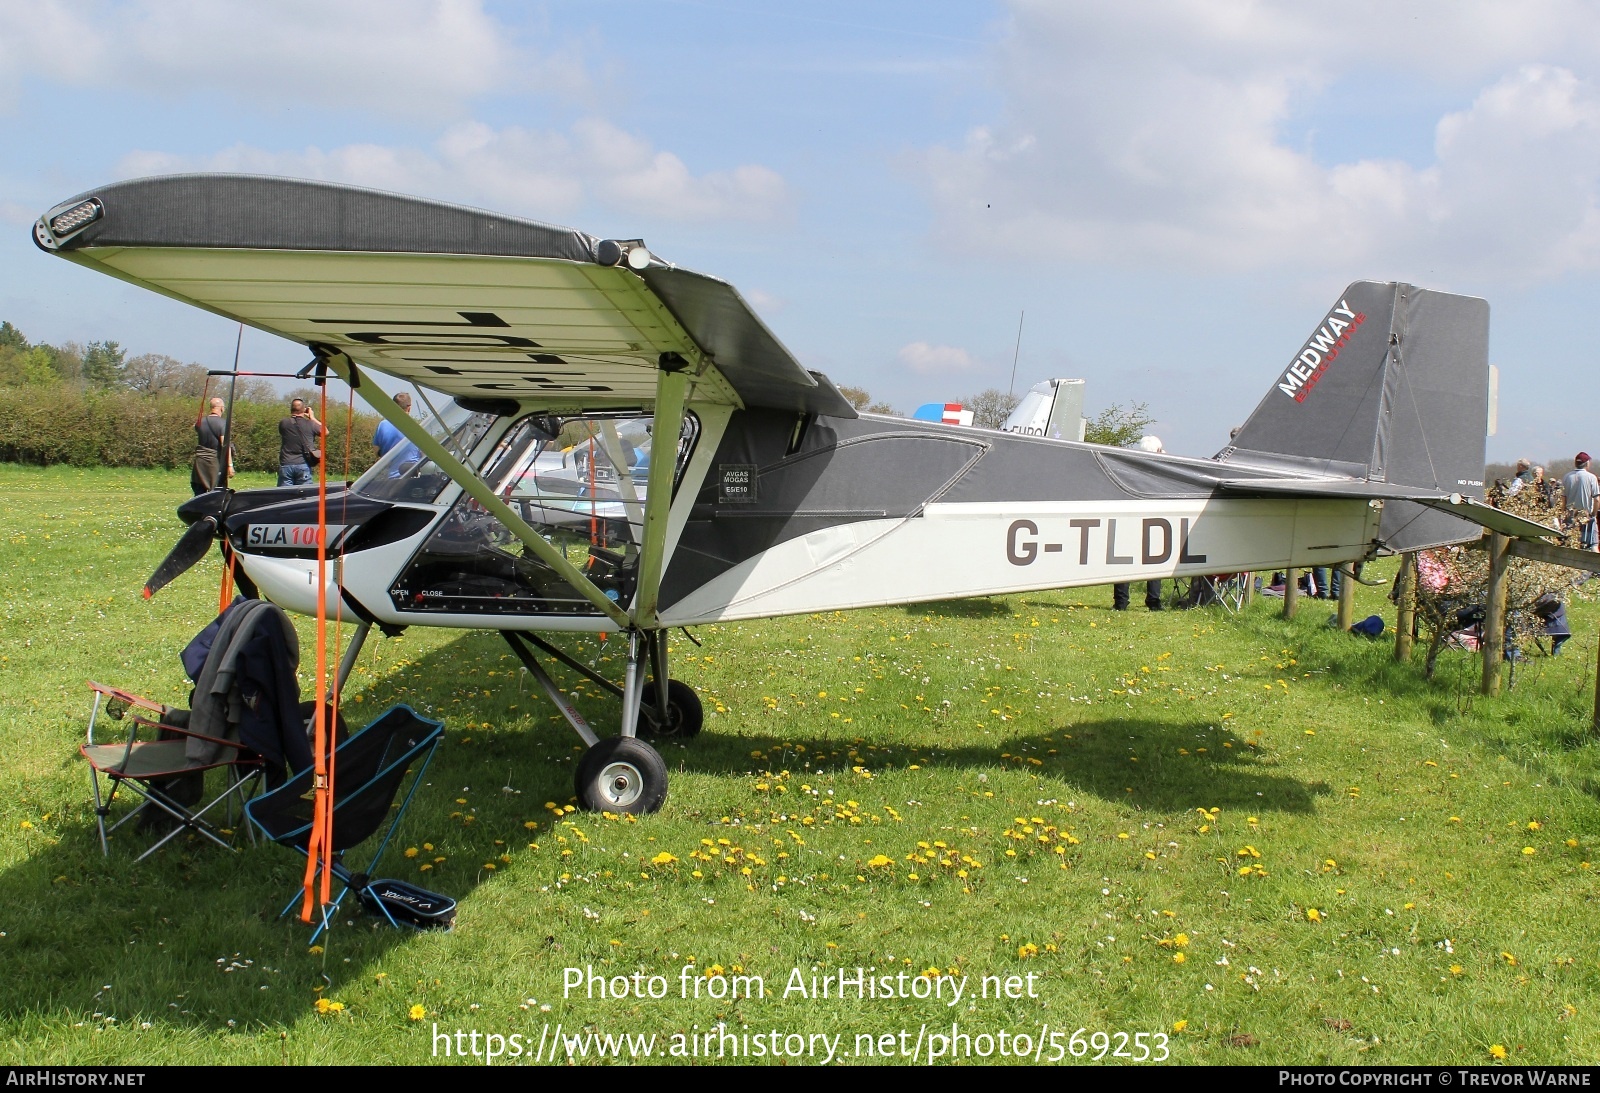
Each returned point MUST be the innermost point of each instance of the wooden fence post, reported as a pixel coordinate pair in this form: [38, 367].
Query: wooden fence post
[1597, 695]
[1406, 617]
[1347, 596]
[1494, 620]
[1291, 592]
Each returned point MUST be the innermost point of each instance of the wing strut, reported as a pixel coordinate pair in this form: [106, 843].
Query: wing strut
[671, 389]
[475, 488]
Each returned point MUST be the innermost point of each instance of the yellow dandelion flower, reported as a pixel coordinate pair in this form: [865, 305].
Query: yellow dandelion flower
[1180, 1025]
[417, 1012]
[1178, 958]
[1497, 1051]
[1529, 851]
[663, 858]
[411, 851]
[878, 861]
[1313, 914]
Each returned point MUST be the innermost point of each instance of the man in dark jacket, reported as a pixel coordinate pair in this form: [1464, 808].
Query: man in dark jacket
[300, 447]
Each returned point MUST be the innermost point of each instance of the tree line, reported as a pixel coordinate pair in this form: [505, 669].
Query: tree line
[93, 405]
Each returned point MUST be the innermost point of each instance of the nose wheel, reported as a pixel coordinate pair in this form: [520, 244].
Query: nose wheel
[621, 774]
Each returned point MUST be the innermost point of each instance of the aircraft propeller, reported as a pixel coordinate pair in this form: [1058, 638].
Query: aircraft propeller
[191, 548]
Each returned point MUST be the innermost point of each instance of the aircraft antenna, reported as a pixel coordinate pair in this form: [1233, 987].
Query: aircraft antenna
[1014, 354]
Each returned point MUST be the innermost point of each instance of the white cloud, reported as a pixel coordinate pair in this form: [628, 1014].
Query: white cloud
[765, 303]
[1153, 135]
[929, 360]
[542, 174]
[399, 57]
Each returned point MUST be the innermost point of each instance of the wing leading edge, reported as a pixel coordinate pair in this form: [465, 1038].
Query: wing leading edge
[464, 301]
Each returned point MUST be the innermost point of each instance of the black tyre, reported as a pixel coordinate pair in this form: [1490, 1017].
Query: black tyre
[621, 774]
[685, 715]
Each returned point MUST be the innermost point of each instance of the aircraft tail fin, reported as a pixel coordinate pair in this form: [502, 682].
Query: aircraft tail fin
[1392, 386]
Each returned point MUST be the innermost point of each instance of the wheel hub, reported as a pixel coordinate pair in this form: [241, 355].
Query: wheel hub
[621, 784]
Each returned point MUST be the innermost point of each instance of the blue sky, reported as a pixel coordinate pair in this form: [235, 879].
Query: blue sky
[1172, 190]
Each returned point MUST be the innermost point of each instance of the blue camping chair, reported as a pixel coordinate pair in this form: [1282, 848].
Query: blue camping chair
[369, 769]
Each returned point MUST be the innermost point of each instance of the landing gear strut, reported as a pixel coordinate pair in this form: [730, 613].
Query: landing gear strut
[622, 773]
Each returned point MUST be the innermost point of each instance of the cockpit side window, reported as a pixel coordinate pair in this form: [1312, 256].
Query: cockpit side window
[581, 482]
[403, 474]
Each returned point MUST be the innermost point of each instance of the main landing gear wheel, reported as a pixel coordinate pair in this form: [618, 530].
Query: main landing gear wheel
[621, 774]
[685, 715]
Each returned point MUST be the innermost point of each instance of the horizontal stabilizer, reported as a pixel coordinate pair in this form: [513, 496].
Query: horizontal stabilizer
[1456, 504]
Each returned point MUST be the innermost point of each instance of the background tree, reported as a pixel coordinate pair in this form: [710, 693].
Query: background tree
[159, 374]
[103, 363]
[990, 408]
[1118, 425]
[862, 400]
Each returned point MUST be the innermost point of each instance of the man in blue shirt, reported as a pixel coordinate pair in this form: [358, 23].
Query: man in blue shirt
[387, 436]
[1582, 494]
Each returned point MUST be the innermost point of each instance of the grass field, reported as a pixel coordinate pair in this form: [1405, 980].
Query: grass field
[1261, 839]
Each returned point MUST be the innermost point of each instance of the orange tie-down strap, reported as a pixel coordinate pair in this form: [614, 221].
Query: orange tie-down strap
[319, 849]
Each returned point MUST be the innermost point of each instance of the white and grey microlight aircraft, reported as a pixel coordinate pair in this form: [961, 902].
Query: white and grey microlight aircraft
[619, 444]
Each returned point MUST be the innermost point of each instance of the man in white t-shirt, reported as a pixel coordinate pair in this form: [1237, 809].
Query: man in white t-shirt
[1581, 490]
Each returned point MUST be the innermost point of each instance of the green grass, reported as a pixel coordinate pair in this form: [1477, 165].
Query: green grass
[996, 732]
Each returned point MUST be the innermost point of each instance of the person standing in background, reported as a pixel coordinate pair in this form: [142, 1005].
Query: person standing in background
[300, 445]
[1523, 477]
[1581, 491]
[210, 440]
[387, 437]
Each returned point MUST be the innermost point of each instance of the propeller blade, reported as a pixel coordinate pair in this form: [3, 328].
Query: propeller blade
[192, 547]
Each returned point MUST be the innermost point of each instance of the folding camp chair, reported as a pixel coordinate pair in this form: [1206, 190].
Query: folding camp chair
[369, 769]
[1223, 589]
[159, 770]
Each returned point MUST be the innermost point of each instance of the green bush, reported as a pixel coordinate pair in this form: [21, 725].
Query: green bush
[56, 423]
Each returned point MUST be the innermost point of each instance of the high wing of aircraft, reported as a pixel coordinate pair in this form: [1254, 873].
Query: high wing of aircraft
[622, 445]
